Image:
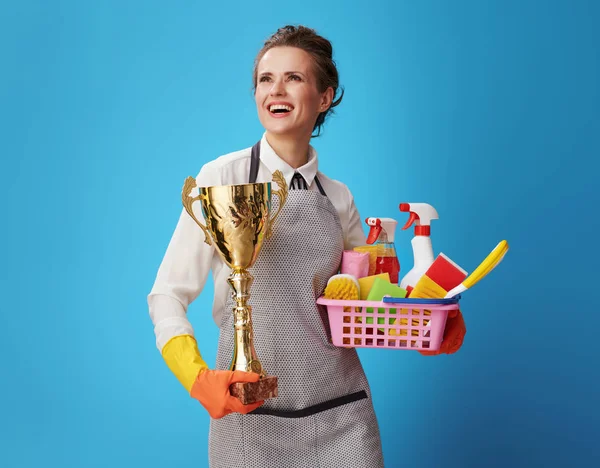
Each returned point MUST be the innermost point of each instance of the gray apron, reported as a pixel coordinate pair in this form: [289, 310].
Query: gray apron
[323, 416]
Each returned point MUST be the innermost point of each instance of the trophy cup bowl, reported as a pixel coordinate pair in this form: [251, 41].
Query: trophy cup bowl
[238, 219]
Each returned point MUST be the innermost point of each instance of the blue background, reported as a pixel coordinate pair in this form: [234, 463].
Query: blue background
[486, 110]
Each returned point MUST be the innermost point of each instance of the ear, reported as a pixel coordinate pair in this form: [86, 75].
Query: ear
[326, 99]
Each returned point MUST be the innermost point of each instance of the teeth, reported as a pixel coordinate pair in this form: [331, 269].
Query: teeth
[275, 107]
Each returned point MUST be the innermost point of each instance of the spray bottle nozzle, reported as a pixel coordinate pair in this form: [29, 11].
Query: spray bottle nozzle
[411, 219]
[381, 227]
[375, 224]
[422, 214]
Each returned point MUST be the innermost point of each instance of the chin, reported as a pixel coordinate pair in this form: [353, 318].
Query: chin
[284, 129]
[280, 130]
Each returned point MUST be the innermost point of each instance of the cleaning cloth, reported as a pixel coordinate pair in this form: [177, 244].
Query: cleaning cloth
[373, 251]
[355, 263]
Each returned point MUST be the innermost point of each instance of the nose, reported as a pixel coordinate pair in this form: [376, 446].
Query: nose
[278, 88]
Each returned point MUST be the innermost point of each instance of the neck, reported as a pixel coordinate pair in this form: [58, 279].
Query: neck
[293, 151]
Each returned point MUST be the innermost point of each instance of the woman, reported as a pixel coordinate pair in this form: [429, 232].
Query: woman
[323, 416]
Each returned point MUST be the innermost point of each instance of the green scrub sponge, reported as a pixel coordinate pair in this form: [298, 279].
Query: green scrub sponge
[379, 289]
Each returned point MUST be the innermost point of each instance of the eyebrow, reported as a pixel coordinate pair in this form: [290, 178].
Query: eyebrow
[285, 73]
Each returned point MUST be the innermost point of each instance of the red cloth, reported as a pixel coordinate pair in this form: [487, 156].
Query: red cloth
[211, 388]
[454, 335]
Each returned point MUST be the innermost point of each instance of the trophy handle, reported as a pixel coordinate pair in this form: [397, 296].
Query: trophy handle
[188, 185]
[282, 195]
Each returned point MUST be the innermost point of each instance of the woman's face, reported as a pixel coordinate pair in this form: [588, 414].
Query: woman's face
[287, 98]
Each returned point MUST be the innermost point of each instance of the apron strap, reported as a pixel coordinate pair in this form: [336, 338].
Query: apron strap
[255, 162]
[320, 187]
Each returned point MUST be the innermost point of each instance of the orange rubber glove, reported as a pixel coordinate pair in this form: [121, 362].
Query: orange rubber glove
[454, 335]
[211, 388]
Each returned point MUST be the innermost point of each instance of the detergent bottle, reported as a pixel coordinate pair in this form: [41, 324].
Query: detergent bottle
[421, 214]
[382, 234]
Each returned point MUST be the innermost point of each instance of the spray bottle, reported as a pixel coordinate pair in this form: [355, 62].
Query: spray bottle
[421, 214]
[382, 234]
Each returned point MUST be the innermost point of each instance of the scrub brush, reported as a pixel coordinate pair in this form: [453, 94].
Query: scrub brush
[342, 287]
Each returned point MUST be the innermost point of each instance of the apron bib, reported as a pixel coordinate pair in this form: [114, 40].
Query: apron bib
[323, 416]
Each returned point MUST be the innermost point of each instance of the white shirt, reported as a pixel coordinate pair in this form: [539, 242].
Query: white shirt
[188, 259]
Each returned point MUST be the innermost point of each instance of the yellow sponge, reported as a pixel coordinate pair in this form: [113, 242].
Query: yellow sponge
[366, 283]
[426, 288]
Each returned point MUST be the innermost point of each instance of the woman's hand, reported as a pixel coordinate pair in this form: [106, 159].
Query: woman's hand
[454, 335]
[211, 389]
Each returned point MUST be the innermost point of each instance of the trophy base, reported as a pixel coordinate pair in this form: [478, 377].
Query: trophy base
[250, 392]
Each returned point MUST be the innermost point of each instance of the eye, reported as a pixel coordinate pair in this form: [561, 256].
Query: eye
[264, 79]
[295, 77]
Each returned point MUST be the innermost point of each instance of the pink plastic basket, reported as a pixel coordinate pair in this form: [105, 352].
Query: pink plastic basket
[409, 324]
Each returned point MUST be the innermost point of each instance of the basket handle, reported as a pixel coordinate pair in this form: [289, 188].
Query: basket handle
[405, 300]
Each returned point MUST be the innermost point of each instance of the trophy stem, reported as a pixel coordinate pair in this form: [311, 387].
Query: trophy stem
[244, 354]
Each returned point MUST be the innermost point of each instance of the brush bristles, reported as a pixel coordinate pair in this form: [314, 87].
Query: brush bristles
[341, 289]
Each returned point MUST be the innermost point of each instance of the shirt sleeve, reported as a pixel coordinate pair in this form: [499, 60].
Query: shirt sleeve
[355, 234]
[183, 271]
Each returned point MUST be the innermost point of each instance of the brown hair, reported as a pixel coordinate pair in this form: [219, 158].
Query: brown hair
[320, 50]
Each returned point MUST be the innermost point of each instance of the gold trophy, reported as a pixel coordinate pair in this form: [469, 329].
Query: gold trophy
[237, 222]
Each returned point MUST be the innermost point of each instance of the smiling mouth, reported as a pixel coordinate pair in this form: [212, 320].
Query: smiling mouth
[279, 109]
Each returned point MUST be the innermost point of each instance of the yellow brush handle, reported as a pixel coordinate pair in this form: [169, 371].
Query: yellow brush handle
[490, 262]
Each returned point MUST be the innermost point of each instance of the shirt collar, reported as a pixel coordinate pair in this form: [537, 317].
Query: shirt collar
[273, 162]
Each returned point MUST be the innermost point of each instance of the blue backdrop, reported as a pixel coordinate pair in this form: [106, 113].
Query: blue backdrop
[486, 110]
